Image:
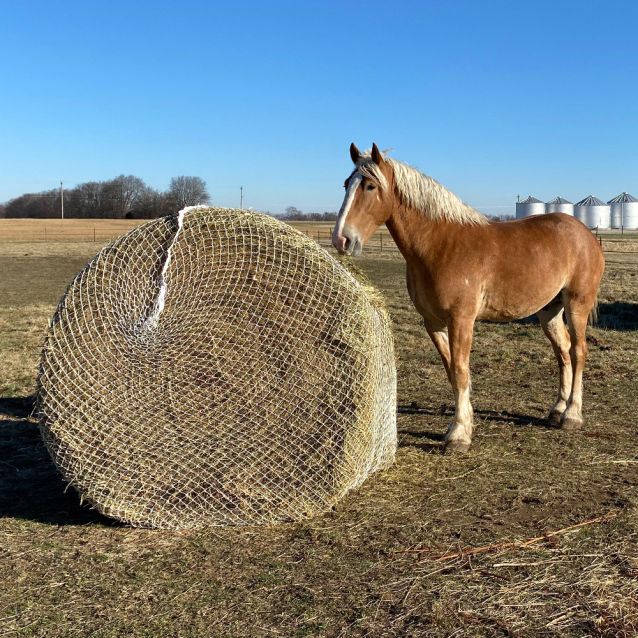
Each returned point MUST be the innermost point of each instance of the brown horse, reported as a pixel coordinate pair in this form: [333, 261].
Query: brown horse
[461, 267]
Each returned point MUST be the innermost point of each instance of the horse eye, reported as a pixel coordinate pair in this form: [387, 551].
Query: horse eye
[370, 187]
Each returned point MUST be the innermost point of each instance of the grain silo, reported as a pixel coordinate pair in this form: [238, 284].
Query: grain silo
[560, 205]
[624, 211]
[592, 212]
[528, 207]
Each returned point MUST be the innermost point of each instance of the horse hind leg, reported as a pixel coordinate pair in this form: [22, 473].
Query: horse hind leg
[551, 319]
[578, 309]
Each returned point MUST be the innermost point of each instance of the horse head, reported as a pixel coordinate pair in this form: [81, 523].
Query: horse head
[366, 204]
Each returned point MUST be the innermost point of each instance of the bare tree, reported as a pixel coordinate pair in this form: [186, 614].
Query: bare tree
[151, 204]
[188, 191]
[124, 192]
[87, 200]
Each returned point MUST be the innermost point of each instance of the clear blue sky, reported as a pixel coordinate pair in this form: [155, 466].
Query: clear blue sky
[492, 98]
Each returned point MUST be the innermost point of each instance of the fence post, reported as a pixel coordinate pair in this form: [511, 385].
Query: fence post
[45, 233]
[93, 234]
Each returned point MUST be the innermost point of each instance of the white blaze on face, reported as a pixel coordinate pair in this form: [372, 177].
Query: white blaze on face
[353, 184]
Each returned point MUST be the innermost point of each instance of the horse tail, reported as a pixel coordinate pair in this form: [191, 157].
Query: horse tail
[593, 315]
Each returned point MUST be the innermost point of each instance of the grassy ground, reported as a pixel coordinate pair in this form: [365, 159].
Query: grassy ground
[431, 547]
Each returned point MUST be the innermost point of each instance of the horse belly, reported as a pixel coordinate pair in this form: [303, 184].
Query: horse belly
[516, 304]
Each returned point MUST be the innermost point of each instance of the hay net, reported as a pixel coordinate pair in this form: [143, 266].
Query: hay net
[213, 368]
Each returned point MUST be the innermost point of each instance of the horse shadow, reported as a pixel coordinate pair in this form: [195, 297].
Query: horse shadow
[30, 486]
[522, 420]
[618, 315]
[434, 440]
[612, 315]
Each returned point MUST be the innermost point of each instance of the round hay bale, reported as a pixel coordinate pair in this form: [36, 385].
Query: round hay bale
[217, 367]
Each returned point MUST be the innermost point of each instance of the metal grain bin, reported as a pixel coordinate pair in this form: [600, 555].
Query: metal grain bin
[528, 207]
[624, 211]
[593, 212]
[560, 205]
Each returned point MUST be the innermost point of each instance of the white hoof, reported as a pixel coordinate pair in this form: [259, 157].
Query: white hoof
[457, 446]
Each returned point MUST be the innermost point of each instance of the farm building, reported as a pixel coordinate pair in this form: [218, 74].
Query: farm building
[592, 212]
[528, 207]
[624, 211]
[619, 212]
[559, 205]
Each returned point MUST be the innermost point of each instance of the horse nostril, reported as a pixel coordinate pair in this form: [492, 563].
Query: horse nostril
[347, 243]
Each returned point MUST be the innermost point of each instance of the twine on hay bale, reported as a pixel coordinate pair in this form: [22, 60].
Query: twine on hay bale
[215, 368]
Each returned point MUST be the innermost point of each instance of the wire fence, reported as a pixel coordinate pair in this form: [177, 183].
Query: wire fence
[380, 242]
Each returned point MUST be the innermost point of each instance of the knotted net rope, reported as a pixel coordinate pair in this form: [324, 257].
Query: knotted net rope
[215, 368]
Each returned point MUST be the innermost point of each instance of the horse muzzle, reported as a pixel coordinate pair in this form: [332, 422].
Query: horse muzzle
[347, 242]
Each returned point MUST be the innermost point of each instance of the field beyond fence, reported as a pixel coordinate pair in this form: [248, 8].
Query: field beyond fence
[103, 230]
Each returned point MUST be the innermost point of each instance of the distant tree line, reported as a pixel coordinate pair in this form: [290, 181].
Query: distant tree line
[293, 214]
[123, 197]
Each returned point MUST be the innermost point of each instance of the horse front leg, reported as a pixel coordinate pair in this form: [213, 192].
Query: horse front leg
[459, 434]
[442, 344]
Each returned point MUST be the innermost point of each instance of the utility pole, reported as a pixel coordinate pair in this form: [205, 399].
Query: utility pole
[241, 198]
[62, 199]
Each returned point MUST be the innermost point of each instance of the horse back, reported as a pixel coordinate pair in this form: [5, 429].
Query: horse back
[535, 259]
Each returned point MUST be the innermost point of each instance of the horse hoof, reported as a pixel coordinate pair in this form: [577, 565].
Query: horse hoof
[570, 424]
[555, 417]
[456, 447]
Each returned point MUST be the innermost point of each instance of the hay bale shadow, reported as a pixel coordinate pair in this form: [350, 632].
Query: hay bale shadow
[30, 486]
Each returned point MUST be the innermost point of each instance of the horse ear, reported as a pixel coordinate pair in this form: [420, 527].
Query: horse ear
[377, 158]
[355, 153]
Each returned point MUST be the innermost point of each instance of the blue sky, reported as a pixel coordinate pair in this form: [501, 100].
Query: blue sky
[492, 98]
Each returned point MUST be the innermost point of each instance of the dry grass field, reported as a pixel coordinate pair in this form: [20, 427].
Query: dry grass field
[103, 230]
[533, 533]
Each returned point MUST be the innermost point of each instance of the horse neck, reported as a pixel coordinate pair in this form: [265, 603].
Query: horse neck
[418, 236]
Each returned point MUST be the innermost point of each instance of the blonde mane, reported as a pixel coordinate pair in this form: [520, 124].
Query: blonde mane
[421, 192]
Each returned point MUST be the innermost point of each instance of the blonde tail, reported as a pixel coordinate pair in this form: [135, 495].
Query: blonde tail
[593, 315]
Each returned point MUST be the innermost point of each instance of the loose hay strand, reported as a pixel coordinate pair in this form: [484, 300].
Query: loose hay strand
[265, 391]
[467, 552]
